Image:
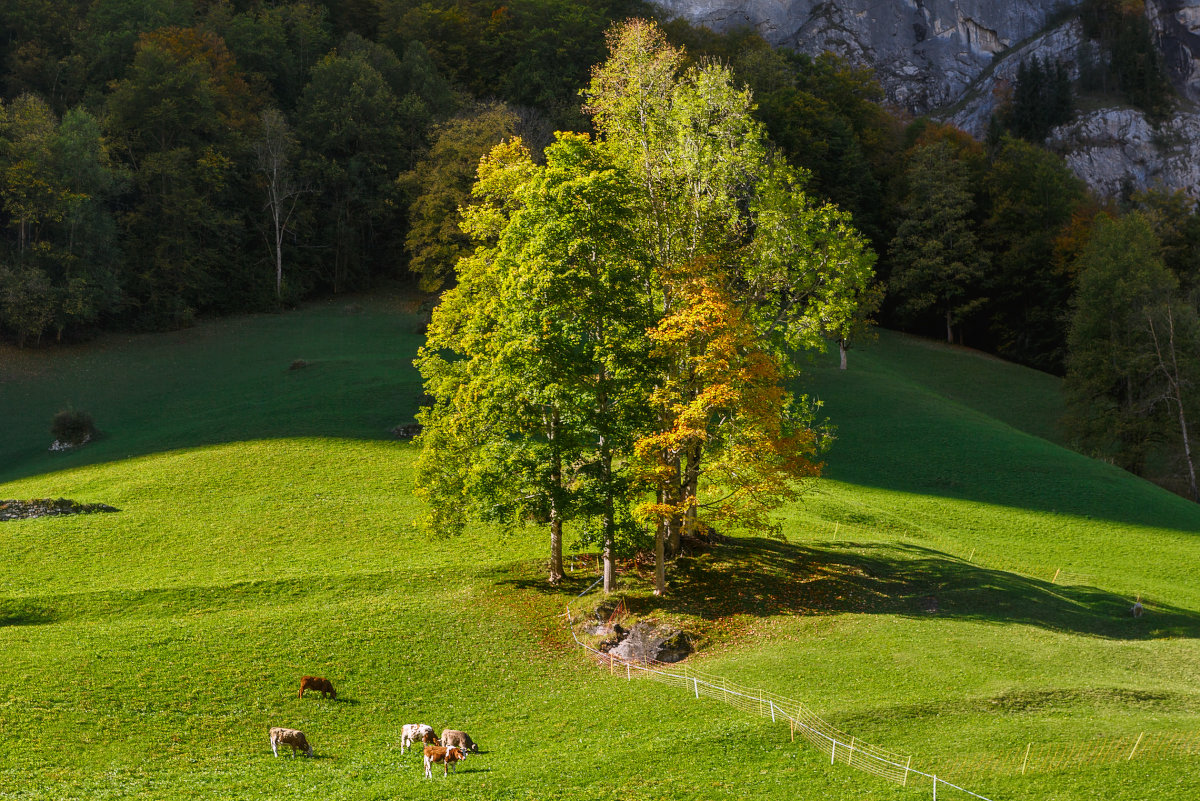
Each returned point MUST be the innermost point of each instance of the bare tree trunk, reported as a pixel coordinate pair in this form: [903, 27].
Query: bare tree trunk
[1187, 454]
[273, 151]
[949, 329]
[842, 348]
[1175, 382]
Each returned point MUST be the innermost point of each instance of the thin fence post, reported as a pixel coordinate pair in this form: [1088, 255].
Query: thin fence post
[832, 752]
[1026, 760]
[772, 711]
[792, 727]
[935, 788]
[1135, 745]
[626, 671]
[695, 686]
[907, 766]
[1055, 579]
[724, 690]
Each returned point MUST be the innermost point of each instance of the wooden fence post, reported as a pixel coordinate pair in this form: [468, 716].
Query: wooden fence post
[1135, 745]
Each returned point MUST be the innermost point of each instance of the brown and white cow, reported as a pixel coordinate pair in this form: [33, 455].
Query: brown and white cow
[293, 737]
[445, 755]
[417, 733]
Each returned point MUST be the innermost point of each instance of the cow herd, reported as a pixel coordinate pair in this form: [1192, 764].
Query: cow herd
[452, 747]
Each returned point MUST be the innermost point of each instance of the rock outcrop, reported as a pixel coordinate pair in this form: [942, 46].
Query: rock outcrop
[957, 59]
[925, 52]
[1116, 150]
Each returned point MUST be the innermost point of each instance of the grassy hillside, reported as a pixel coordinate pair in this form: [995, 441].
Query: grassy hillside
[266, 530]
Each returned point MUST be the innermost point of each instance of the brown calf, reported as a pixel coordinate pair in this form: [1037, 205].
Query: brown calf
[446, 755]
[323, 686]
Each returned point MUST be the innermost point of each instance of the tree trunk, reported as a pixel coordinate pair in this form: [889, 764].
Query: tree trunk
[949, 329]
[609, 523]
[842, 348]
[691, 489]
[674, 535]
[556, 560]
[660, 555]
[674, 490]
[1175, 382]
[610, 561]
[1187, 454]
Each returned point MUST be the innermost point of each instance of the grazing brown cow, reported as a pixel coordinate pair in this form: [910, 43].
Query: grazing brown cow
[446, 755]
[459, 739]
[293, 737]
[323, 686]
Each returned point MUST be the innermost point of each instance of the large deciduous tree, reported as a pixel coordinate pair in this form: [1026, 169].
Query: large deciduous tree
[711, 202]
[548, 326]
[638, 308]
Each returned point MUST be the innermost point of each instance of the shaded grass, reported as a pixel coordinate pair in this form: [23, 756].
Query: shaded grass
[925, 419]
[222, 381]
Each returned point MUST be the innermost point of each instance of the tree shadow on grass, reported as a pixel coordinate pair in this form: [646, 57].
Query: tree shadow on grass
[188, 599]
[763, 577]
[21, 613]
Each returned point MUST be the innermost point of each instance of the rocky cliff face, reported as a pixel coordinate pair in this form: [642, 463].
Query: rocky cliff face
[953, 58]
[926, 52]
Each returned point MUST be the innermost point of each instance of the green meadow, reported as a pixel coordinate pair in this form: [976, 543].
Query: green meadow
[956, 588]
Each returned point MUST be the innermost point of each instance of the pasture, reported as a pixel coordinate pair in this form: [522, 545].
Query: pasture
[267, 531]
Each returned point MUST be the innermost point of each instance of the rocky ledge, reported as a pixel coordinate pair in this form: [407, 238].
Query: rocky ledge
[49, 507]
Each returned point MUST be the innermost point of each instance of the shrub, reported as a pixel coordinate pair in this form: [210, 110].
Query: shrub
[73, 428]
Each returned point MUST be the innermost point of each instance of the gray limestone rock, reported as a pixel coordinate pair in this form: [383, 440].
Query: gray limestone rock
[646, 642]
[958, 59]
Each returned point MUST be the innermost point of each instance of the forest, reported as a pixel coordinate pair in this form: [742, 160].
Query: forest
[162, 160]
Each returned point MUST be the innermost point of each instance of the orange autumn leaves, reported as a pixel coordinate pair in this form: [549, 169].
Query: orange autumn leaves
[724, 398]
